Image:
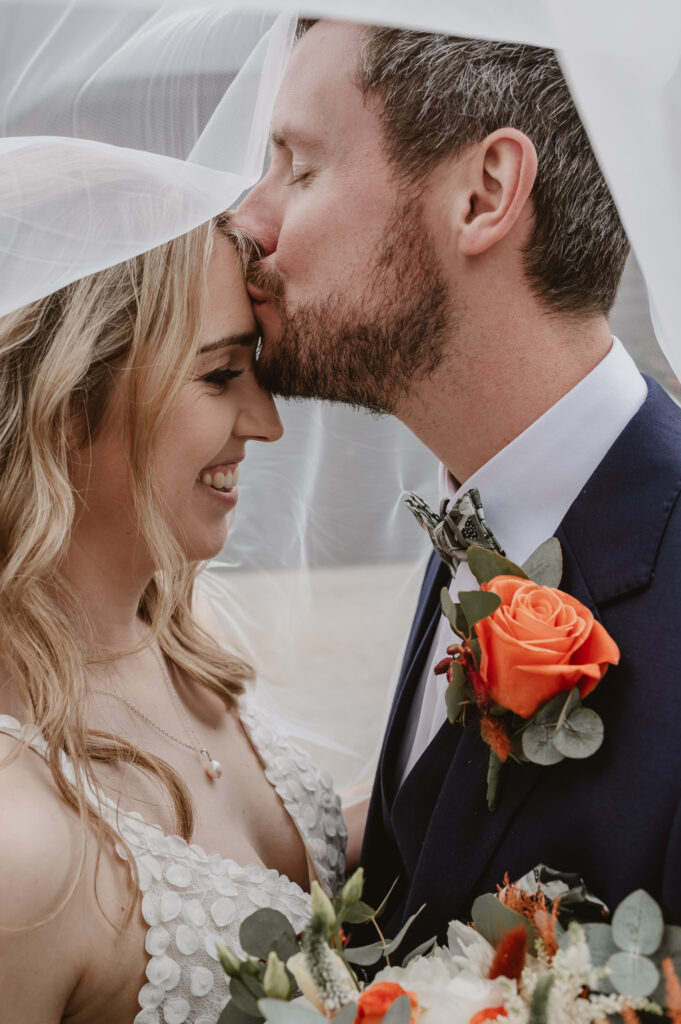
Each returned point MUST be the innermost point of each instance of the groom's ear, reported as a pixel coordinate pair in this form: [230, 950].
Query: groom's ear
[499, 176]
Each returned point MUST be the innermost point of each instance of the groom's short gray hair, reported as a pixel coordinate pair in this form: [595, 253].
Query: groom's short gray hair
[441, 93]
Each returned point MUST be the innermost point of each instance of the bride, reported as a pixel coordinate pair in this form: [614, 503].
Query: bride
[147, 806]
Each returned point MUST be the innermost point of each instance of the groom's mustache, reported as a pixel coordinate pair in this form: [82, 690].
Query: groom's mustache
[266, 278]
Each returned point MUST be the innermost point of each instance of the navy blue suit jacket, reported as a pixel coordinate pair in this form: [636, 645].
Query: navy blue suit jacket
[616, 817]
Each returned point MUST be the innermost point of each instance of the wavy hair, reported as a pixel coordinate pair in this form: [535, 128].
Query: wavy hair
[59, 357]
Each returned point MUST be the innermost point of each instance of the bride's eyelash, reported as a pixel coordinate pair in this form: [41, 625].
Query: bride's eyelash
[222, 376]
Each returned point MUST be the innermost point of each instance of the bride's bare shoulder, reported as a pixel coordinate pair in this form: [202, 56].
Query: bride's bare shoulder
[42, 944]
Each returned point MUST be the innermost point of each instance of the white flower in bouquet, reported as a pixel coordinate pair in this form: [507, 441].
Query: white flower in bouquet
[451, 982]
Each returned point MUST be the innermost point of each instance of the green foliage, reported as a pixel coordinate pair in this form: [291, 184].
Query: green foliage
[346, 1015]
[580, 735]
[267, 930]
[245, 991]
[633, 975]
[233, 1015]
[231, 964]
[399, 1012]
[633, 947]
[493, 920]
[545, 565]
[493, 779]
[450, 612]
[537, 744]
[637, 924]
[365, 956]
[278, 1012]
[455, 693]
[560, 728]
[539, 1003]
[478, 604]
[601, 948]
[486, 564]
[358, 913]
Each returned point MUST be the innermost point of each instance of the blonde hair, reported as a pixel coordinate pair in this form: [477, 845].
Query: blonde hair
[58, 359]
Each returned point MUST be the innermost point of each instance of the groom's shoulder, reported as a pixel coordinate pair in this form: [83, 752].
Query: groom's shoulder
[625, 526]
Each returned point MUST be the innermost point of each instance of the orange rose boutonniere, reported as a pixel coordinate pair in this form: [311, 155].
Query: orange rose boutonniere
[528, 654]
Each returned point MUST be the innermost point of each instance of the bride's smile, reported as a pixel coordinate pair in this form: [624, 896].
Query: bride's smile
[200, 443]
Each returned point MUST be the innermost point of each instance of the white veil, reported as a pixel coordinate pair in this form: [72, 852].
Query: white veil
[125, 124]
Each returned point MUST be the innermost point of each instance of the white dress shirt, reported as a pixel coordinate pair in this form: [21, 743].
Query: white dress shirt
[526, 490]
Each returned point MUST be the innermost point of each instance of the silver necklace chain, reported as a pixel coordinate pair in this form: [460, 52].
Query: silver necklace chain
[213, 768]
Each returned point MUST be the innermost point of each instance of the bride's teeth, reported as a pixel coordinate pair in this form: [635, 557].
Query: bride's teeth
[221, 481]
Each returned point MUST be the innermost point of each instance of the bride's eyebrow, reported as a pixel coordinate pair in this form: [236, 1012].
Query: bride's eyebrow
[246, 338]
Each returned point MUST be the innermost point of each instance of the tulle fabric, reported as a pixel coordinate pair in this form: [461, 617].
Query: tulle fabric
[125, 123]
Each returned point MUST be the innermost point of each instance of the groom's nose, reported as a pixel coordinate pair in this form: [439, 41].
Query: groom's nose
[259, 216]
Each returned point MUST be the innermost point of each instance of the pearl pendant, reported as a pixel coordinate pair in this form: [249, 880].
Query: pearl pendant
[213, 769]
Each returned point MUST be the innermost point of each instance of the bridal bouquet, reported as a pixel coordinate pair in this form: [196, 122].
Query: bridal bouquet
[527, 654]
[523, 960]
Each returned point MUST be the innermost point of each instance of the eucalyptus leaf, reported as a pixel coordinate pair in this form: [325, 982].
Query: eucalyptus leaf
[268, 930]
[545, 565]
[551, 710]
[455, 692]
[233, 1015]
[478, 604]
[580, 735]
[493, 920]
[277, 1011]
[358, 913]
[462, 627]
[365, 956]
[421, 950]
[399, 1012]
[346, 1015]
[244, 999]
[637, 924]
[384, 902]
[537, 744]
[633, 975]
[601, 948]
[449, 609]
[494, 769]
[539, 1002]
[572, 702]
[486, 564]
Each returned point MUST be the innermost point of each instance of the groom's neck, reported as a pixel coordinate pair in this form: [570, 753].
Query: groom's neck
[498, 378]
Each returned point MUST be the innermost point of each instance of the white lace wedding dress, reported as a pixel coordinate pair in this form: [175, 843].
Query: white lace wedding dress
[191, 898]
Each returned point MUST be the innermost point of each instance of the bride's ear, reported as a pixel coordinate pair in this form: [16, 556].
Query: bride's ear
[500, 175]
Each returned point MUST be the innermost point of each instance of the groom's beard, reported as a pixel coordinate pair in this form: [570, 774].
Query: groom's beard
[367, 352]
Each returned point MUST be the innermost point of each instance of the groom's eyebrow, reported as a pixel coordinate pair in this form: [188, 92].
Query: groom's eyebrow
[284, 138]
[246, 338]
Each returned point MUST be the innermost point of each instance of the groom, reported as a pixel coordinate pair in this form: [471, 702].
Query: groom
[439, 243]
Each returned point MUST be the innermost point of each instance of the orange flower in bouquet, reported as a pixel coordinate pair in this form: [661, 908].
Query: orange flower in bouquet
[375, 1001]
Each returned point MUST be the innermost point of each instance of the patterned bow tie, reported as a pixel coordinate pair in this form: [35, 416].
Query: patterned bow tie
[456, 530]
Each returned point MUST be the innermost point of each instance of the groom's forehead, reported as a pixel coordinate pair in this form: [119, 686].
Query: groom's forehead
[319, 78]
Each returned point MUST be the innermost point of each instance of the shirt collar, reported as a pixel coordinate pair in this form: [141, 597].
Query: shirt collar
[528, 486]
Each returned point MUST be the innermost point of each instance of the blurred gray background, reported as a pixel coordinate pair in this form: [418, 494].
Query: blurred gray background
[630, 321]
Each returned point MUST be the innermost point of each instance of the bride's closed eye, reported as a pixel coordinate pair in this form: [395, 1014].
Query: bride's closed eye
[221, 376]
